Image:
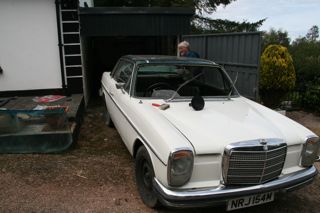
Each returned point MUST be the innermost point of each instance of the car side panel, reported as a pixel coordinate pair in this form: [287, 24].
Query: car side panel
[117, 102]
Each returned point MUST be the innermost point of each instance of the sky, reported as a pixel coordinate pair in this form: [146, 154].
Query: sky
[294, 16]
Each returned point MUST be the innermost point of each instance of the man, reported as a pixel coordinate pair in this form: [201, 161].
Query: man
[184, 50]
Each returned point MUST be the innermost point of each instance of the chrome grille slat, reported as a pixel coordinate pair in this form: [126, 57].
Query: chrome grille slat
[254, 164]
[274, 161]
[274, 171]
[250, 164]
[277, 164]
[243, 173]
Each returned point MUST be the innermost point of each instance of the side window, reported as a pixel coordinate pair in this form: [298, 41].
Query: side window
[116, 66]
[123, 73]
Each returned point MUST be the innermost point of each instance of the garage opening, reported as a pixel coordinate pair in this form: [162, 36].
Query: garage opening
[109, 33]
[104, 52]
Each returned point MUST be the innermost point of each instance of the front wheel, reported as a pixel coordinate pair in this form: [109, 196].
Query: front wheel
[144, 178]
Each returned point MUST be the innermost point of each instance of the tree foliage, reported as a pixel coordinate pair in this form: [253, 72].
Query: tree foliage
[207, 25]
[275, 37]
[313, 33]
[306, 59]
[306, 54]
[209, 6]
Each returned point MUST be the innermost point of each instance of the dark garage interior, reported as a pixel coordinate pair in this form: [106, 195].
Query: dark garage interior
[104, 52]
[109, 33]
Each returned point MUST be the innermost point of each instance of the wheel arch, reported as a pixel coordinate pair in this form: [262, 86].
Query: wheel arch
[136, 145]
[160, 169]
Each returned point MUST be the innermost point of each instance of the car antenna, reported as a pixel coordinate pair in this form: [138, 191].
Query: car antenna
[233, 86]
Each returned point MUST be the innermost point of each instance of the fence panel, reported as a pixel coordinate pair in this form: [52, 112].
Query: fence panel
[239, 53]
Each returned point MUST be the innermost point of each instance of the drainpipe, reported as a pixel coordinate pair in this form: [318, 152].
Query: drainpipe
[60, 44]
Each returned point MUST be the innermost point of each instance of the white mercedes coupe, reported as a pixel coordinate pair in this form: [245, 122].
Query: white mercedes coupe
[196, 141]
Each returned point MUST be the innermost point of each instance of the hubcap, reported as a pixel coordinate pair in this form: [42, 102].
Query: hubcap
[146, 174]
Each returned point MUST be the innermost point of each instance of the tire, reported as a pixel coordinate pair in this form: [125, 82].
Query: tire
[144, 177]
[107, 114]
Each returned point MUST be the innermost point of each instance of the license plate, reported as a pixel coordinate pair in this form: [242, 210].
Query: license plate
[248, 201]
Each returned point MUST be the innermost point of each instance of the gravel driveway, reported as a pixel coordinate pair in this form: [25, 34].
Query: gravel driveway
[97, 175]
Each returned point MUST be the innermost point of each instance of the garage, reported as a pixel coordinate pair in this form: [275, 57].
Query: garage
[109, 33]
[64, 48]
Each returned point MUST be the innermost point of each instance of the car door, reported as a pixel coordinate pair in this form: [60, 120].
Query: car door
[119, 104]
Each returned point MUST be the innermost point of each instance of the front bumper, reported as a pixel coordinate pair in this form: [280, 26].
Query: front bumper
[220, 195]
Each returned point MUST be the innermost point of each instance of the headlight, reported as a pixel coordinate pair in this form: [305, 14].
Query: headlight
[180, 165]
[310, 151]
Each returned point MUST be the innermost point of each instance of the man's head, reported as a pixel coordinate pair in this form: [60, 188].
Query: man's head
[183, 48]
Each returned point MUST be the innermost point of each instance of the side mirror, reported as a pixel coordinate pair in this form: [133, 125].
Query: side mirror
[120, 85]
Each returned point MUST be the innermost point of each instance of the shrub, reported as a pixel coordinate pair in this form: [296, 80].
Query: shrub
[277, 70]
[277, 75]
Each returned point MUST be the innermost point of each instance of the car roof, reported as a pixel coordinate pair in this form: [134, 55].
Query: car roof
[157, 59]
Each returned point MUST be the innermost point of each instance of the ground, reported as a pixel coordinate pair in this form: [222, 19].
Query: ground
[97, 175]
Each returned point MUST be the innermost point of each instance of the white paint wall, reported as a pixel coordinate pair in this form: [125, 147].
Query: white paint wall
[29, 53]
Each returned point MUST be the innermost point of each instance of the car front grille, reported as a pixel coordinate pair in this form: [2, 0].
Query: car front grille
[253, 162]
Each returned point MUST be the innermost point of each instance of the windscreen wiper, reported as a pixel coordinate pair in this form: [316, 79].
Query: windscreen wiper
[233, 86]
[182, 85]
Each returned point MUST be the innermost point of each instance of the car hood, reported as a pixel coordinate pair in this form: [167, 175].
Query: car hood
[223, 121]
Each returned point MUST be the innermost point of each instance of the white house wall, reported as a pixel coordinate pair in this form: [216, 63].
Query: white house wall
[29, 53]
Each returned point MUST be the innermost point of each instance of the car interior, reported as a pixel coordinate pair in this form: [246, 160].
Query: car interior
[162, 81]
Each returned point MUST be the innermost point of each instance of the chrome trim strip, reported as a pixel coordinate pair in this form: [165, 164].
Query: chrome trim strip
[201, 197]
[310, 136]
[255, 143]
[298, 186]
[130, 122]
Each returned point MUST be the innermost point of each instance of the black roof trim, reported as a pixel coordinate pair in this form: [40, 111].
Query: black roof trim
[137, 10]
[168, 59]
[224, 34]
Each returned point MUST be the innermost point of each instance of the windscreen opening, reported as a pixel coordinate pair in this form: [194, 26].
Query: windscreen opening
[181, 81]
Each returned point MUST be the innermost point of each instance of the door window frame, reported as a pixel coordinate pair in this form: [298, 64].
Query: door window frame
[128, 83]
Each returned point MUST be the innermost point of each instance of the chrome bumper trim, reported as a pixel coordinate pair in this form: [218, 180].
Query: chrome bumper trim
[219, 195]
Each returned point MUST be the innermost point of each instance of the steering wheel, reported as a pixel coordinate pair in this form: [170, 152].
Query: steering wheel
[157, 86]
